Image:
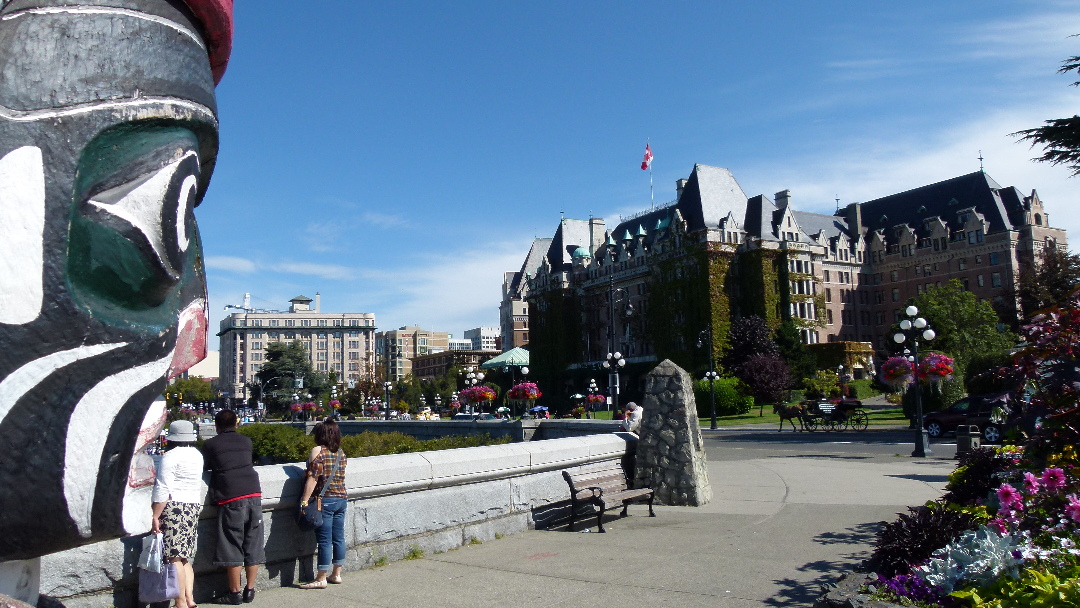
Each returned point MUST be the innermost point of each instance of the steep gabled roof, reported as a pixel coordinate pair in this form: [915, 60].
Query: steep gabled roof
[759, 217]
[532, 262]
[942, 199]
[814, 223]
[570, 235]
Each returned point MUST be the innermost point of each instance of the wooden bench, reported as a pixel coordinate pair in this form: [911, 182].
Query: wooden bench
[604, 487]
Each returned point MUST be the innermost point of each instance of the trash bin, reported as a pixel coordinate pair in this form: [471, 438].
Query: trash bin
[967, 439]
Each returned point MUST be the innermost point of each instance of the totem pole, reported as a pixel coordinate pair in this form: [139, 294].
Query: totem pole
[108, 138]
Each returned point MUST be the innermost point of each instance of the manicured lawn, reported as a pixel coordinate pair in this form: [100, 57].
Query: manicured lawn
[893, 416]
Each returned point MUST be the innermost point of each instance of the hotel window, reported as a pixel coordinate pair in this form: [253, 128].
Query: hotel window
[979, 280]
[828, 316]
[894, 276]
[353, 356]
[322, 322]
[305, 323]
[828, 295]
[962, 263]
[895, 295]
[255, 345]
[290, 323]
[826, 276]
[256, 323]
[995, 279]
[322, 344]
[918, 271]
[354, 322]
[994, 259]
[320, 356]
[353, 367]
[337, 323]
[273, 322]
[354, 344]
[978, 259]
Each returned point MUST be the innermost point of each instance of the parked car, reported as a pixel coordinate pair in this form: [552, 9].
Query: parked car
[976, 410]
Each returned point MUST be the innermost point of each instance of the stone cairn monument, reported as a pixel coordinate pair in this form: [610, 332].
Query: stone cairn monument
[670, 453]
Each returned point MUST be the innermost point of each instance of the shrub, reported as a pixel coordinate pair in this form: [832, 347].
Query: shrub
[278, 443]
[731, 398]
[978, 473]
[1034, 587]
[915, 536]
[822, 385]
[937, 396]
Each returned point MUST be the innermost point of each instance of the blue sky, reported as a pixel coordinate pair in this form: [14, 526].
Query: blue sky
[399, 157]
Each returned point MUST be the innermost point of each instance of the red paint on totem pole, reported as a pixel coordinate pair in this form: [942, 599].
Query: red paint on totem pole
[216, 17]
[190, 339]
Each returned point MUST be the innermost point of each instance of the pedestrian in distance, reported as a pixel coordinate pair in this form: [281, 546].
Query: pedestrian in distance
[326, 471]
[235, 489]
[176, 502]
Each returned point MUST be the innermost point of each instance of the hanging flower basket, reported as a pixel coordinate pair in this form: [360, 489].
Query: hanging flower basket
[455, 405]
[296, 407]
[478, 394]
[310, 406]
[526, 391]
[897, 372]
[935, 367]
[595, 399]
[334, 403]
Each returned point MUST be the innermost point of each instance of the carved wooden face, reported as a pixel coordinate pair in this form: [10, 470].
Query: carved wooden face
[108, 137]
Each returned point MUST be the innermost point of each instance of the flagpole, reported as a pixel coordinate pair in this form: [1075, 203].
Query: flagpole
[652, 195]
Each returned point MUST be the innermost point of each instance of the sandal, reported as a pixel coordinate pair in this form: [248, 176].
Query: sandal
[315, 584]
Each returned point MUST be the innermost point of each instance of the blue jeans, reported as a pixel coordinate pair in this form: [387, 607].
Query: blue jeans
[332, 532]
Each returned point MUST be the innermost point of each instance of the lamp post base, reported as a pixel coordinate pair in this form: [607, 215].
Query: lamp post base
[922, 445]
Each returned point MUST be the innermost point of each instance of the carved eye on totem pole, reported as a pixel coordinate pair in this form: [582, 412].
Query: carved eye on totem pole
[108, 139]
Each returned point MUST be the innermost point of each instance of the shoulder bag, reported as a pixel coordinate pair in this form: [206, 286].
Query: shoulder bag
[309, 517]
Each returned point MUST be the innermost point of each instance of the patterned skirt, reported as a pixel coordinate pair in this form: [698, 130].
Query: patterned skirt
[179, 526]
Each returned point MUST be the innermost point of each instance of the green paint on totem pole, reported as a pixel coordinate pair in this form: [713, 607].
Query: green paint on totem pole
[111, 271]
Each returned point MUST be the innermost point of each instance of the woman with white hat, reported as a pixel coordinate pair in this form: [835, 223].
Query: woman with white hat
[177, 502]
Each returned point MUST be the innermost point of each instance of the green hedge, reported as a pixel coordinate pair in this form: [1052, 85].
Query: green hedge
[280, 443]
[731, 398]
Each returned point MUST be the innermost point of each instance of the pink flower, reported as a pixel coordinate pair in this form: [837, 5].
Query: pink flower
[1072, 510]
[1009, 497]
[1053, 479]
[998, 524]
[1031, 483]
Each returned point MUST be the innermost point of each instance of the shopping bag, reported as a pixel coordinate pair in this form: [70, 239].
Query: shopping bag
[158, 586]
[152, 549]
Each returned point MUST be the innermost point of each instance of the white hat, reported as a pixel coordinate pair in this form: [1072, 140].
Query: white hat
[182, 430]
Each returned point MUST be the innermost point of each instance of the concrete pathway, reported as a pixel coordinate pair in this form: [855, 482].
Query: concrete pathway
[778, 526]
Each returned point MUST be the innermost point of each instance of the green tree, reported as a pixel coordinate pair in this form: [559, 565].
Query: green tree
[286, 363]
[189, 390]
[749, 336]
[1059, 138]
[1050, 282]
[800, 360]
[965, 326]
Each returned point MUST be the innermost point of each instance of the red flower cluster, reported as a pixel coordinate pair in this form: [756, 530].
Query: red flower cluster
[476, 394]
[334, 403]
[936, 367]
[896, 372]
[525, 390]
[310, 406]
[594, 398]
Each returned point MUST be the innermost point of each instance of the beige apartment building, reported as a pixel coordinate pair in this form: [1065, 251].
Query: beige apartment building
[340, 342]
[396, 348]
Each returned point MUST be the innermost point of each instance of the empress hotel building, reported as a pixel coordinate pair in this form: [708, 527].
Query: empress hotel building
[714, 254]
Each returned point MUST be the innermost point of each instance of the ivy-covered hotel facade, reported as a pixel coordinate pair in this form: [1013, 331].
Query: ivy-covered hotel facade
[714, 255]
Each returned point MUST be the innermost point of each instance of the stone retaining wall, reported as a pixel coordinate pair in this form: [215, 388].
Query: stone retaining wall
[435, 501]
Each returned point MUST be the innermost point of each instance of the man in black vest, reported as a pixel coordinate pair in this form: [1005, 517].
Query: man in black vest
[235, 489]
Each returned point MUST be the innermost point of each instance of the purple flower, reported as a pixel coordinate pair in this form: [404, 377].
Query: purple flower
[1054, 479]
[1031, 483]
[998, 524]
[1072, 510]
[1009, 497]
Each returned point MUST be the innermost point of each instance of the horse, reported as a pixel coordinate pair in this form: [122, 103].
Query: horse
[790, 413]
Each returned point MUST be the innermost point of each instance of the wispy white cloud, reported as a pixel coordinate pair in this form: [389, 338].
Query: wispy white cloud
[322, 271]
[383, 220]
[230, 264]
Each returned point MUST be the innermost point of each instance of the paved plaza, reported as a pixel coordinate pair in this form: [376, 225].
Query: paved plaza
[781, 522]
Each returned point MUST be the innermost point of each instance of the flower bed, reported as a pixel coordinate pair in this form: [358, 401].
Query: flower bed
[1007, 532]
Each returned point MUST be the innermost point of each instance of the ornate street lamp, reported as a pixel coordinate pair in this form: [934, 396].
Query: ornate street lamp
[473, 376]
[911, 329]
[705, 338]
[386, 396]
[613, 364]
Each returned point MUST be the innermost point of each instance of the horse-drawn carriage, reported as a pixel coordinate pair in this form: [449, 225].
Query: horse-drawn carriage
[835, 415]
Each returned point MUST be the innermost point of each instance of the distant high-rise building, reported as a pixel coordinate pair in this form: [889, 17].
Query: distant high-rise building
[397, 347]
[339, 342]
[484, 338]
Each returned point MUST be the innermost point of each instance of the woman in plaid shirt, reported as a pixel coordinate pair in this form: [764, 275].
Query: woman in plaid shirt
[321, 471]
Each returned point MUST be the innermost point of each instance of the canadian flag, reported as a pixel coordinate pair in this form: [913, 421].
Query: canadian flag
[645, 162]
